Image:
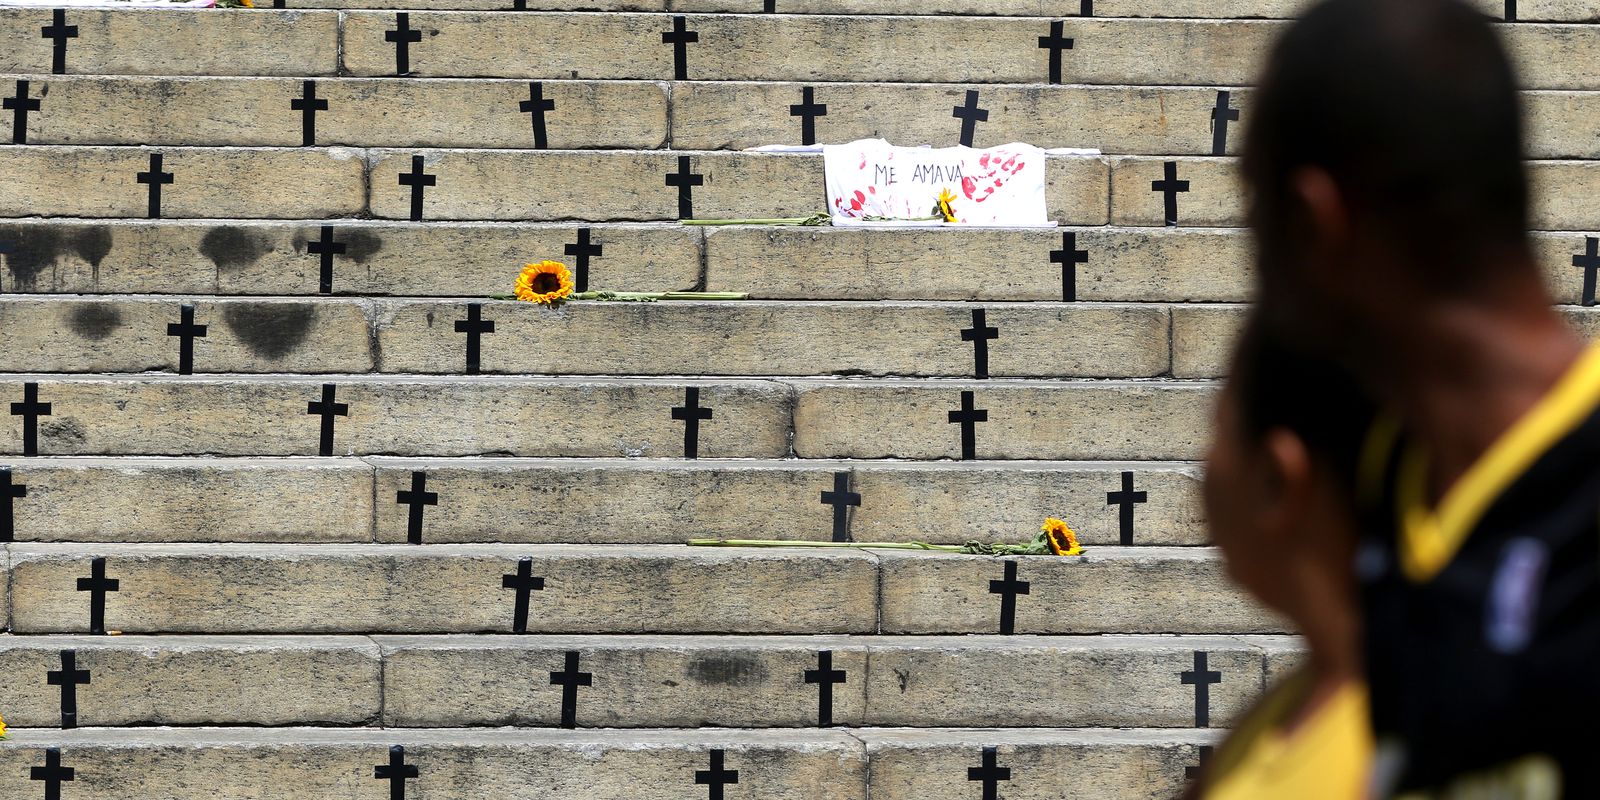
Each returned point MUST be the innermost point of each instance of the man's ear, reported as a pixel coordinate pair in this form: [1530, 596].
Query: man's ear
[1290, 477]
[1324, 204]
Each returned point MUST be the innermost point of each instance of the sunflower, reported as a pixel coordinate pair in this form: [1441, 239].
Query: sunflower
[547, 283]
[1062, 540]
[2, 729]
[943, 206]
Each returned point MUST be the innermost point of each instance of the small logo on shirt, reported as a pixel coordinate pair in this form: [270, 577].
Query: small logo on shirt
[1514, 595]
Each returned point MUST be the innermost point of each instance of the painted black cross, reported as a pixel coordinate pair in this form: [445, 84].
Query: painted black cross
[1086, 8]
[187, 332]
[1589, 262]
[417, 498]
[1127, 498]
[52, 774]
[825, 676]
[9, 494]
[69, 678]
[970, 115]
[769, 7]
[402, 36]
[30, 409]
[680, 37]
[308, 104]
[1194, 772]
[991, 773]
[537, 104]
[1201, 678]
[685, 179]
[396, 772]
[97, 584]
[1055, 43]
[716, 777]
[980, 335]
[474, 326]
[327, 409]
[1511, 10]
[841, 498]
[569, 680]
[417, 179]
[1220, 117]
[1170, 187]
[580, 251]
[155, 178]
[808, 111]
[1008, 589]
[1069, 257]
[525, 582]
[969, 417]
[691, 413]
[325, 249]
[19, 106]
[60, 31]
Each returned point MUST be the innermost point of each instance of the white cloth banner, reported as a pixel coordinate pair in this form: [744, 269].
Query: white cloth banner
[871, 179]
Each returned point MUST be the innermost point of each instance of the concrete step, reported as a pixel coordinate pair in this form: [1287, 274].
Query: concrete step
[168, 42]
[339, 588]
[593, 500]
[323, 764]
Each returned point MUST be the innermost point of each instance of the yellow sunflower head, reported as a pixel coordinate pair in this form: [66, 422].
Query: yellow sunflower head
[2, 729]
[944, 205]
[1063, 541]
[547, 283]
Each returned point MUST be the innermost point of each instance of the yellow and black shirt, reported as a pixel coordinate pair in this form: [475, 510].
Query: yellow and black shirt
[1326, 757]
[1482, 615]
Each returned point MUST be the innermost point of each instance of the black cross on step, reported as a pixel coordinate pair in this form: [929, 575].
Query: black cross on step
[187, 332]
[9, 494]
[474, 326]
[968, 418]
[825, 676]
[19, 105]
[980, 334]
[1086, 8]
[581, 251]
[52, 774]
[403, 37]
[325, 249]
[1127, 498]
[1201, 679]
[416, 499]
[991, 773]
[69, 678]
[155, 178]
[680, 37]
[1220, 117]
[1055, 43]
[396, 772]
[1170, 187]
[30, 409]
[525, 583]
[1069, 257]
[690, 413]
[716, 778]
[970, 115]
[1511, 10]
[1008, 589]
[569, 680]
[685, 179]
[308, 104]
[841, 498]
[1589, 262]
[97, 584]
[537, 105]
[327, 409]
[418, 180]
[60, 31]
[1194, 772]
[808, 111]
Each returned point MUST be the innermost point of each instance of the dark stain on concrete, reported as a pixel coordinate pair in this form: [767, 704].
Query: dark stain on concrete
[92, 243]
[232, 248]
[727, 670]
[270, 331]
[33, 251]
[95, 321]
[66, 431]
[360, 245]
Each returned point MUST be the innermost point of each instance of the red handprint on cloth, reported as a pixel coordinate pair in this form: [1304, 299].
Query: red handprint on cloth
[994, 169]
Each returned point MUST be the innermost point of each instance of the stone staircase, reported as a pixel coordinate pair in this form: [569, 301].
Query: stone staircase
[291, 510]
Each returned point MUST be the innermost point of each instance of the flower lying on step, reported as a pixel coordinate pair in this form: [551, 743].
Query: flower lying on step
[1053, 538]
[2, 728]
[944, 206]
[1063, 541]
[546, 283]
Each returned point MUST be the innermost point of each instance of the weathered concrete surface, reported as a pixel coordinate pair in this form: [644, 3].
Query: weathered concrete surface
[1213, 198]
[174, 42]
[1204, 337]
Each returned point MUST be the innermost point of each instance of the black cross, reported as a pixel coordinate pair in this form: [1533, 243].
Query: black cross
[9, 493]
[1220, 117]
[968, 417]
[1588, 261]
[20, 105]
[980, 335]
[1055, 43]
[1127, 498]
[569, 680]
[69, 678]
[769, 7]
[52, 773]
[417, 179]
[474, 326]
[1086, 9]
[970, 115]
[716, 777]
[1511, 10]
[1194, 771]
[30, 409]
[680, 37]
[990, 773]
[808, 111]
[326, 248]
[691, 413]
[1201, 678]
[581, 250]
[60, 31]
[402, 36]
[1069, 257]
[187, 332]
[308, 104]
[328, 409]
[825, 676]
[155, 178]
[1170, 187]
[525, 582]
[396, 772]
[537, 104]
[97, 584]
[1008, 589]
[685, 179]
[417, 498]
[841, 498]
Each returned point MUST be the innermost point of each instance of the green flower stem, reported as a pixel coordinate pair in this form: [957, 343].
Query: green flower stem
[953, 548]
[651, 297]
[813, 220]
